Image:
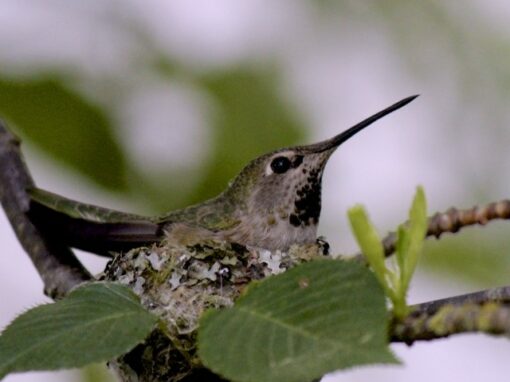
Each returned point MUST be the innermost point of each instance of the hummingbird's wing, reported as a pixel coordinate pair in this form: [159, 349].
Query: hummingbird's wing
[88, 227]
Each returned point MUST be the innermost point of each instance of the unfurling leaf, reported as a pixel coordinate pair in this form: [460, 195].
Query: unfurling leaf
[416, 233]
[409, 242]
[370, 244]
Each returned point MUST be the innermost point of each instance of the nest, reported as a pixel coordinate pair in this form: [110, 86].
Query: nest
[178, 283]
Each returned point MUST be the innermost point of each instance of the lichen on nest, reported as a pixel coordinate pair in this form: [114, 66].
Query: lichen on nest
[178, 283]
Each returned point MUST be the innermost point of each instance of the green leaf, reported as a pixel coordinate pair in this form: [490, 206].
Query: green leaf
[316, 318]
[416, 232]
[402, 245]
[370, 244]
[477, 255]
[66, 126]
[95, 323]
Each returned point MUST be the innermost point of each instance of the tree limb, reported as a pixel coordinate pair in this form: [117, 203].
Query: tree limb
[490, 317]
[498, 295]
[484, 311]
[57, 265]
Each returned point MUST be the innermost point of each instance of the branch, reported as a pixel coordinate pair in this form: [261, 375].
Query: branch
[497, 295]
[485, 311]
[452, 221]
[58, 267]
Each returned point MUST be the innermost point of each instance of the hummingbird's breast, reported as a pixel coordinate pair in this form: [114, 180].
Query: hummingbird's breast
[272, 232]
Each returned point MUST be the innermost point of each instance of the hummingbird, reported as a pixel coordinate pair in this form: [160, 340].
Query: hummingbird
[273, 203]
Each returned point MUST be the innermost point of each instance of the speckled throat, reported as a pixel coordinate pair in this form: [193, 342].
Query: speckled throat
[307, 202]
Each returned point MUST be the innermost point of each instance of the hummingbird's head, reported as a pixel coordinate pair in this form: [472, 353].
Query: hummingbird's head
[289, 185]
[283, 188]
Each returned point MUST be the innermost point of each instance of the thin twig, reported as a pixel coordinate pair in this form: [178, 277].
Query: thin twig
[452, 221]
[58, 267]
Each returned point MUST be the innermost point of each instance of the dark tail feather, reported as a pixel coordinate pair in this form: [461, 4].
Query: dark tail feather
[100, 238]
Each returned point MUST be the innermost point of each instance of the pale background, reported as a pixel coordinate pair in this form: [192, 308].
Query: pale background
[338, 64]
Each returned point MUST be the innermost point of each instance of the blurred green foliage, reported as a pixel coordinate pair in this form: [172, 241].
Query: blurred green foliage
[251, 119]
[478, 255]
[66, 126]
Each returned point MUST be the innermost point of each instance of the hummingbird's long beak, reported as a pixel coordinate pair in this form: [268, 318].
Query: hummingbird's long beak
[342, 137]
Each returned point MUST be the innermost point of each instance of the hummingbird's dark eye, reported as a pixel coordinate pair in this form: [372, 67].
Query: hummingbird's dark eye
[279, 165]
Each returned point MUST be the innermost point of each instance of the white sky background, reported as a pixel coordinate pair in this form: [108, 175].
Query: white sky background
[336, 80]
